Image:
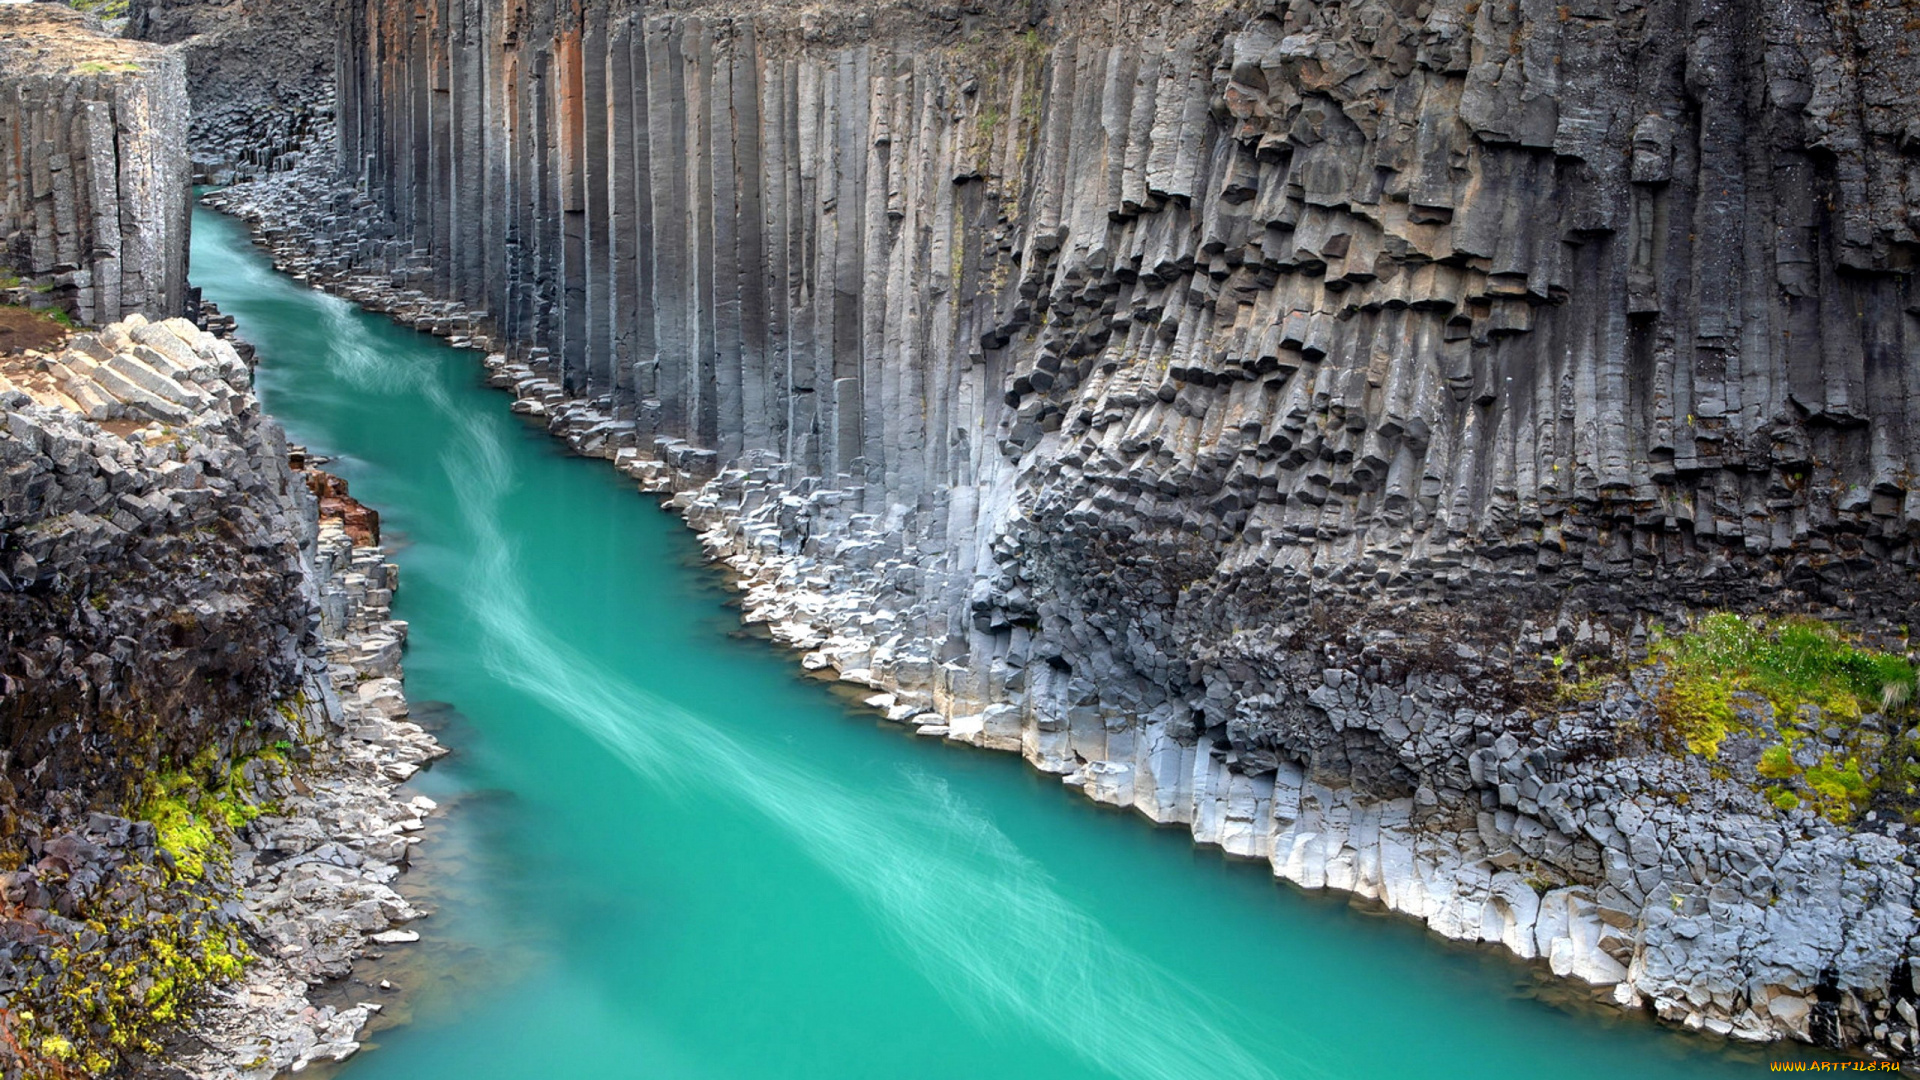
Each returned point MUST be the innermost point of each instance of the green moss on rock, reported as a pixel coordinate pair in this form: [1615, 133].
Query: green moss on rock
[143, 959]
[143, 948]
[1820, 699]
[1790, 661]
[193, 809]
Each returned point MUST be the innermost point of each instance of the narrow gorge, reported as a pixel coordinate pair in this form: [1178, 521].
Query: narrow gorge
[1246, 414]
[1456, 454]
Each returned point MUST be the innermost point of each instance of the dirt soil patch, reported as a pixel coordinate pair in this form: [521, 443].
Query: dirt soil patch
[23, 328]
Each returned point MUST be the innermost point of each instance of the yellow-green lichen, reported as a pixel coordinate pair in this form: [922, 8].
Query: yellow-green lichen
[189, 808]
[153, 963]
[150, 943]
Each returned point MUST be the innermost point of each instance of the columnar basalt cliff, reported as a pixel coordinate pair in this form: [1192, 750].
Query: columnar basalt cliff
[260, 75]
[93, 167]
[1244, 413]
[191, 628]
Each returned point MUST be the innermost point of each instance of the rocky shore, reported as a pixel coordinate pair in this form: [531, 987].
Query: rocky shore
[244, 712]
[317, 875]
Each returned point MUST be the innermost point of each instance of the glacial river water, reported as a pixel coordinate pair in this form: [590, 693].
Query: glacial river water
[666, 854]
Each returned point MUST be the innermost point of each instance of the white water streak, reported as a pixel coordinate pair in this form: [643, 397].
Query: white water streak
[356, 355]
[981, 920]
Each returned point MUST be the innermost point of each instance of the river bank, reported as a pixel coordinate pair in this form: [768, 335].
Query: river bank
[318, 875]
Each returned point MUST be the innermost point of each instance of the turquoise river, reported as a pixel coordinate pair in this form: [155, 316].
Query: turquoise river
[667, 854]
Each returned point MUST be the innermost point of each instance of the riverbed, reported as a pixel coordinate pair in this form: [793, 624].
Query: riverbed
[668, 854]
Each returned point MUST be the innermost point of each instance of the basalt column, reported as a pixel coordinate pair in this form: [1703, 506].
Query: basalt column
[1577, 290]
[93, 166]
[759, 248]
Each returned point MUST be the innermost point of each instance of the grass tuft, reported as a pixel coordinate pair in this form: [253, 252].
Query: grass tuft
[1819, 684]
[1788, 661]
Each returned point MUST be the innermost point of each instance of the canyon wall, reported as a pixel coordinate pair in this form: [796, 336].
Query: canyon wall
[199, 678]
[93, 167]
[149, 610]
[260, 76]
[157, 634]
[199, 689]
[1244, 411]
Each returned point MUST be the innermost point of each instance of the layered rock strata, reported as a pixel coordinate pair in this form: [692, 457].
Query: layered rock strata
[1239, 414]
[93, 167]
[182, 631]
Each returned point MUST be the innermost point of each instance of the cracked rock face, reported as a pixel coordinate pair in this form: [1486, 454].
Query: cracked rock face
[156, 610]
[1231, 411]
[93, 173]
[154, 589]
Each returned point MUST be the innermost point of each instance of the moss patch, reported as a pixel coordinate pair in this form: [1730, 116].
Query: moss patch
[1579, 681]
[1818, 697]
[1776, 763]
[104, 67]
[106, 9]
[193, 809]
[141, 961]
[1789, 661]
[150, 941]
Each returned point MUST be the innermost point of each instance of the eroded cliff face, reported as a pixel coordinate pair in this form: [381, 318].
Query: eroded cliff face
[202, 729]
[199, 680]
[151, 608]
[157, 637]
[93, 176]
[1241, 412]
